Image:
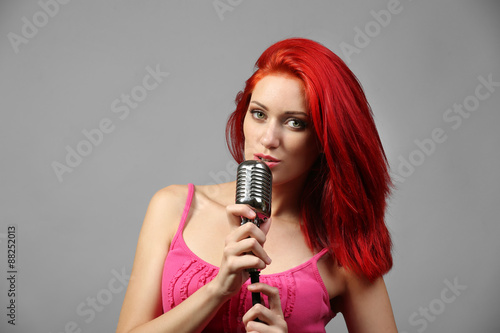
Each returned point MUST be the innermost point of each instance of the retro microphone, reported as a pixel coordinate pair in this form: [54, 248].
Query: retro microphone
[253, 187]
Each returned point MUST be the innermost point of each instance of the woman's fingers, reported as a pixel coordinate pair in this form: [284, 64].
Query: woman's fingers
[272, 317]
[264, 227]
[237, 211]
[243, 250]
[272, 294]
[249, 252]
[246, 230]
[269, 322]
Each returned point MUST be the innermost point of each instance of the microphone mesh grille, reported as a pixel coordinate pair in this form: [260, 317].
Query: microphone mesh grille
[254, 185]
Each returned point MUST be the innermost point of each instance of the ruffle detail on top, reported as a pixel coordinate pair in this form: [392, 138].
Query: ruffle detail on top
[175, 279]
[303, 295]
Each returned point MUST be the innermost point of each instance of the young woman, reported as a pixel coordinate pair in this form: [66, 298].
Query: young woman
[326, 246]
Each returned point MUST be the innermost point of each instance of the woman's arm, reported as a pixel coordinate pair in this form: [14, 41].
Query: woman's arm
[142, 308]
[142, 302]
[366, 306]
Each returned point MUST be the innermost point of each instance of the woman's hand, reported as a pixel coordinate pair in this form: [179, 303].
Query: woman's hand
[243, 249]
[272, 318]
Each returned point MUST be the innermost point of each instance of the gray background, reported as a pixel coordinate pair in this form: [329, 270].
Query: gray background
[76, 233]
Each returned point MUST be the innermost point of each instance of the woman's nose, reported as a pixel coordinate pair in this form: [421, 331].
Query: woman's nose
[270, 137]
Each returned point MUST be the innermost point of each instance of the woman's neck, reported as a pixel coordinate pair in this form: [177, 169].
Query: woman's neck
[286, 200]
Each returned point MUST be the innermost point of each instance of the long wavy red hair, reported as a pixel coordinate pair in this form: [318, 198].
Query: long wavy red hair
[345, 195]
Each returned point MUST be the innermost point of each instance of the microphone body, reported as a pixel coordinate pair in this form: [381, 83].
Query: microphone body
[254, 188]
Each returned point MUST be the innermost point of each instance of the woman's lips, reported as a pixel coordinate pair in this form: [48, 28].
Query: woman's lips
[269, 160]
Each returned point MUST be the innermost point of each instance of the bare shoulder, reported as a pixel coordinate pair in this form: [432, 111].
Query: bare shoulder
[166, 207]
[170, 195]
[218, 194]
[359, 284]
[346, 280]
[365, 304]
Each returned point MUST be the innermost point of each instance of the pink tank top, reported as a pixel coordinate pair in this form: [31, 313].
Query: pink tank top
[303, 295]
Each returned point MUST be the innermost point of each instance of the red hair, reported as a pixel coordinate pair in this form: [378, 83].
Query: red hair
[345, 194]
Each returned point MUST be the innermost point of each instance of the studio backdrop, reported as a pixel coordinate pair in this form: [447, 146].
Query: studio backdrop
[103, 103]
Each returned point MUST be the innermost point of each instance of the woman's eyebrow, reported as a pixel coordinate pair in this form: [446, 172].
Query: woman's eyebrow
[259, 104]
[302, 113]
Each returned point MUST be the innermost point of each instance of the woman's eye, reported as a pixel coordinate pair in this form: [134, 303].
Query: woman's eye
[258, 114]
[296, 124]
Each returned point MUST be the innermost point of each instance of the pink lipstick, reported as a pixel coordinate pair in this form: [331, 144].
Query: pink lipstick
[268, 159]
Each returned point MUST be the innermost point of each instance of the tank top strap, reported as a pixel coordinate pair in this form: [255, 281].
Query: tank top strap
[317, 275]
[185, 213]
[318, 255]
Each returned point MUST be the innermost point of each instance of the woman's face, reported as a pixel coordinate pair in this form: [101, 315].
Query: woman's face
[277, 128]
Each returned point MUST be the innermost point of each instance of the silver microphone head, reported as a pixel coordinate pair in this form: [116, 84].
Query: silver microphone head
[254, 187]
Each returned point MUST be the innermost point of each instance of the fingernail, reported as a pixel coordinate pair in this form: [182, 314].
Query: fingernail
[268, 260]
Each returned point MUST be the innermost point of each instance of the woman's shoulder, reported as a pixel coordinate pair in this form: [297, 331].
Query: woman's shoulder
[216, 194]
[344, 285]
[339, 280]
[365, 303]
[172, 199]
[165, 209]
